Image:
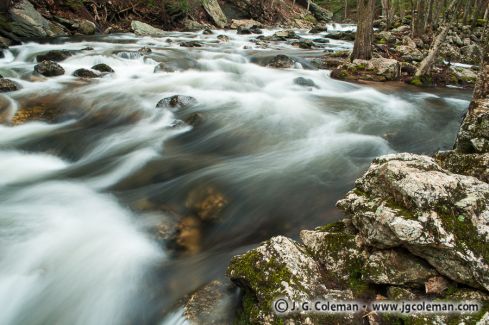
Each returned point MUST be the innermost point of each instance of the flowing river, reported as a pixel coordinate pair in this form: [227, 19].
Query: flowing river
[83, 193]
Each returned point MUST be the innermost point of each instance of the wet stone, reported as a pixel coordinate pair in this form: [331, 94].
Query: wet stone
[7, 85]
[102, 67]
[55, 56]
[177, 101]
[85, 73]
[49, 69]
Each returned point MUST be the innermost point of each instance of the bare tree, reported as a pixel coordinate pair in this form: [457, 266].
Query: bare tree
[419, 19]
[426, 65]
[346, 9]
[429, 19]
[467, 9]
[481, 90]
[362, 48]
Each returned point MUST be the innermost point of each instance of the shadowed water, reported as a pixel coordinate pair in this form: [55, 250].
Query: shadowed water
[82, 192]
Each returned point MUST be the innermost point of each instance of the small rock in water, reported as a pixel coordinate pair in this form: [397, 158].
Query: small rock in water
[281, 61]
[177, 101]
[223, 38]
[55, 56]
[191, 44]
[207, 31]
[318, 29]
[286, 34]
[305, 82]
[1, 54]
[243, 31]
[102, 67]
[305, 44]
[145, 50]
[49, 69]
[7, 85]
[88, 48]
[163, 67]
[321, 40]
[85, 73]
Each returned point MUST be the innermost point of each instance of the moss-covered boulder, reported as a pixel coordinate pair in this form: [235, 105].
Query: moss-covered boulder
[378, 69]
[407, 200]
[397, 267]
[281, 268]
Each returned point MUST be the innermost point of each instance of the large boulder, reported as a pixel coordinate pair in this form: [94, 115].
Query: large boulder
[471, 153]
[408, 201]
[280, 268]
[410, 53]
[28, 22]
[377, 69]
[177, 102]
[320, 13]
[86, 27]
[215, 12]
[143, 29]
[244, 23]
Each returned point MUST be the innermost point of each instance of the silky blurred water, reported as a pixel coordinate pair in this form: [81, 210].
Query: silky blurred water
[82, 194]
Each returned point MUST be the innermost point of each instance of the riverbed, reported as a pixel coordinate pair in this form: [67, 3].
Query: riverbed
[85, 191]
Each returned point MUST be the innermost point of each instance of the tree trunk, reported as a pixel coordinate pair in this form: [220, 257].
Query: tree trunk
[467, 8]
[420, 20]
[486, 13]
[425, 66]
[346, 9]
[362, 49]
[4, 5]
[429, 20]
[308, 4]
[481, 89]
[402, 13]
[387, 13]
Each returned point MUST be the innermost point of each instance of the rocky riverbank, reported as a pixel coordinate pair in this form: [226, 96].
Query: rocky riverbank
[397, 56]
[415, 228]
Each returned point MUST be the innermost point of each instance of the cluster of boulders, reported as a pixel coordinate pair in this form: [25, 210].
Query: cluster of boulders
[461, 46]
[48, 65]
[415, 228]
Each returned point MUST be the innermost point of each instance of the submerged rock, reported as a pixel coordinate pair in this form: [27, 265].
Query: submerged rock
[49, 69]
[207, 31]
[223, 38]
[7, 85]
[281, 61]
[85, 73]
[301, 81]
[177, 101]
[102, 67]
[55, 56]
[163, 67]
[206, 202]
